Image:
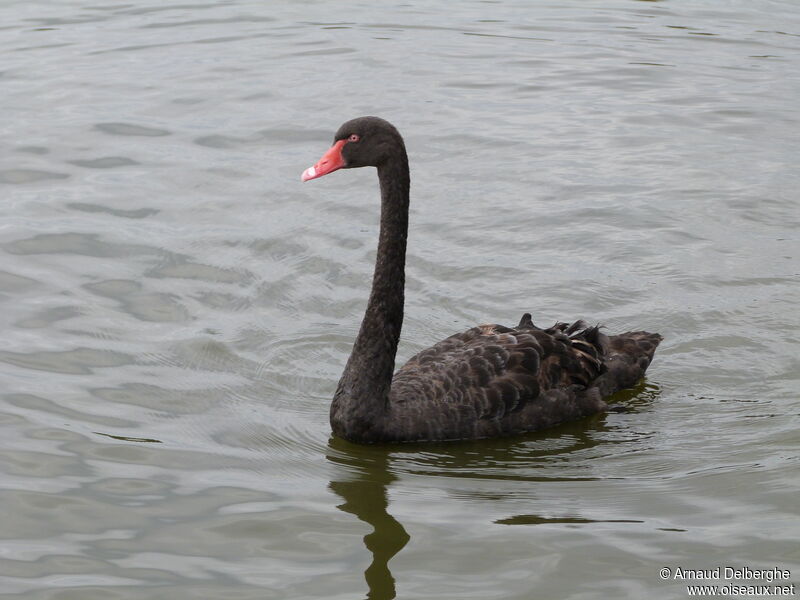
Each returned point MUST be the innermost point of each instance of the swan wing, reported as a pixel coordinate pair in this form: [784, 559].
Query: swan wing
[493, 374]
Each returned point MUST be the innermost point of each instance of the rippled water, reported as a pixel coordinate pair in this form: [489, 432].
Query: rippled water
[177, 306]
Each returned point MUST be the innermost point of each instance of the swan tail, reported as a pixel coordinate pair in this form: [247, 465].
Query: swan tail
[626, 359]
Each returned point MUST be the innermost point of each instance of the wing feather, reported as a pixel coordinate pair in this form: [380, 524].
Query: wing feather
[494, 380]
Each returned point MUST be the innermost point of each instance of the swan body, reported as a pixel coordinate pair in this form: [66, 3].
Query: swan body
[488, 381]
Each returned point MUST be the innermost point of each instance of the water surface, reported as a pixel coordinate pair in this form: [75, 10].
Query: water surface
[177, 307]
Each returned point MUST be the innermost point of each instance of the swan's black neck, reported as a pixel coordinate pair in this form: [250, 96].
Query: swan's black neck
[360, 405]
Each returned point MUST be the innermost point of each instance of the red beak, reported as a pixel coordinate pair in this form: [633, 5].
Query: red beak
[330, 161]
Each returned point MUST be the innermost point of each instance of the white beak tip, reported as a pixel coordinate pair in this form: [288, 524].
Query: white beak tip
[309, 173]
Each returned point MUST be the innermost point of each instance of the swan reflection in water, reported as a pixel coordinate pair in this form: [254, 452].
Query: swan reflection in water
[363, 474]
[364, 493]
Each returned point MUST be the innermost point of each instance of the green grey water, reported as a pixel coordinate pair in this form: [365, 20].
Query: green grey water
[177, 307]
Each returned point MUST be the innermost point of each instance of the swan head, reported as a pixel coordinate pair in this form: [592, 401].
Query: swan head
[361, 142]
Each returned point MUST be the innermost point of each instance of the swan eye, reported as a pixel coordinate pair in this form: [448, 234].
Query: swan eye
[353, 138]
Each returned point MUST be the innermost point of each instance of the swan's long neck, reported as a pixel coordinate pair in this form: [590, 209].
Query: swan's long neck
[362, 396]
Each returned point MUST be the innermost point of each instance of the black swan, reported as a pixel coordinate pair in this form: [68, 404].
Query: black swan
[488, 381]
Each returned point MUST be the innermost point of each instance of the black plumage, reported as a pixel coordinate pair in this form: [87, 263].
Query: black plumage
[488, 381]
